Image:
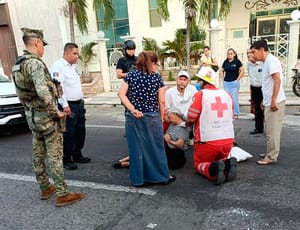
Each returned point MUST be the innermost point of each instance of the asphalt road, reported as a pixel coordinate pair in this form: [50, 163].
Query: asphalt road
[262, 197]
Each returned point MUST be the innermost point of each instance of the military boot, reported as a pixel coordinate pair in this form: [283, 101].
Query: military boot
[68, 199]
[45, 195]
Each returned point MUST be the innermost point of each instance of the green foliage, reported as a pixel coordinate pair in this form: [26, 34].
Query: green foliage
[196, 33]
[108, 10]
[194, 77]
[150, 45]
[86, 54]
[170, 76]
[78, 9]
[177, 47]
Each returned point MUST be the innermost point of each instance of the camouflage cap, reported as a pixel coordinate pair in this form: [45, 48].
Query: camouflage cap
[34, 33]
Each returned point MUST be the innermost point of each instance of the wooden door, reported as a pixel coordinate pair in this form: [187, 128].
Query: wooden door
[8, 51]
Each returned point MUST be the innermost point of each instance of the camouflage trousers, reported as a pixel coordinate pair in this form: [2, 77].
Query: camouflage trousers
[47, 142]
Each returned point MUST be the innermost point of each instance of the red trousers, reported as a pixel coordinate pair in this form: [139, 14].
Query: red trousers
[205, 154]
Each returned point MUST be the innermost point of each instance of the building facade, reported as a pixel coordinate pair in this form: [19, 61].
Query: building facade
[247, 21]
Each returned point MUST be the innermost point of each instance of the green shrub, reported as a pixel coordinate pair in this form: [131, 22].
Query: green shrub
[194, 77]
[170, 76]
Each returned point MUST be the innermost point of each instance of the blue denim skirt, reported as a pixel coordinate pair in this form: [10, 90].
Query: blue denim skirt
[148, 162]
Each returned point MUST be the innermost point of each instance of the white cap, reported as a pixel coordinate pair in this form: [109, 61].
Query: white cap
[183, 73]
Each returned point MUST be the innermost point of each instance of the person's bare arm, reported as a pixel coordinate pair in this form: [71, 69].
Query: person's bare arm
[120, 73]
[125, 101]
[277, 82]
[241, 73]
[161, 101]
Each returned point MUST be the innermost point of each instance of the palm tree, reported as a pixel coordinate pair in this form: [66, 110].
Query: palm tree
[86, 54]
[177, 48]
[77, 9]
[203, 8]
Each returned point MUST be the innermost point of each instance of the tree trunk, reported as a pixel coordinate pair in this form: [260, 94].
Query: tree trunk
[71, 21]
[188, 50]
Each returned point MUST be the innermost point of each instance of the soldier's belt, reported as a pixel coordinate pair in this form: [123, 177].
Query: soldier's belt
[39, 109]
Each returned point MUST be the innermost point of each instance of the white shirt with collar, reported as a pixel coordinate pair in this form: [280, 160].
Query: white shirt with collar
[69, 79]
[255, 71]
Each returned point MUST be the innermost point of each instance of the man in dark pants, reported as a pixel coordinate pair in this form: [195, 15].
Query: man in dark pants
[64, 70]
[255, 73]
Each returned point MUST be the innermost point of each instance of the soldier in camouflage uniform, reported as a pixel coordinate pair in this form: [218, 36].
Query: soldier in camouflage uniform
[39, 94]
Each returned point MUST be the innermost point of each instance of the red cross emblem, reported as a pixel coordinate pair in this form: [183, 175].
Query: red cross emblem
[219, 107]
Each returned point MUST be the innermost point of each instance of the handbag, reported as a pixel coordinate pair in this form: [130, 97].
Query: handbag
[214, 67]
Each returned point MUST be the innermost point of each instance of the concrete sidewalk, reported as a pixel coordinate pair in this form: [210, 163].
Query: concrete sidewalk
[112, 99]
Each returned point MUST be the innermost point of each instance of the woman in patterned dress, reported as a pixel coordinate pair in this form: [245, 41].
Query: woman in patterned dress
[142, 94]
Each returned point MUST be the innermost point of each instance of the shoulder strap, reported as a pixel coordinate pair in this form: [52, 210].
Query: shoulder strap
[17, 68]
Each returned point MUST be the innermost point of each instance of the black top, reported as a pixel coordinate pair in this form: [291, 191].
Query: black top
[231, 69]
[126, 63]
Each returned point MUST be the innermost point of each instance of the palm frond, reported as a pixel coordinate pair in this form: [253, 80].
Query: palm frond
[109, 12]
[162, 7]
[79, 10]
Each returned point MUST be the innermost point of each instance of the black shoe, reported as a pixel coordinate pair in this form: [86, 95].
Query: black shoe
[255, 131]
[82, 160]
[230, 169]
[70, 165]
[117, 164]
[171, 179]
[217, 169]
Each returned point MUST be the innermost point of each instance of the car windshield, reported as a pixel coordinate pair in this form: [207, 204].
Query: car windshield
[3, 79]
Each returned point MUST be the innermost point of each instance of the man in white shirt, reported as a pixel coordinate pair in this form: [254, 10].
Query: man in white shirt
[64, 71]
[181, 95]
[255, 71]
[273, 99]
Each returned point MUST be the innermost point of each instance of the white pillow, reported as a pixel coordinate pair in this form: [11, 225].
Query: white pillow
[239, 154]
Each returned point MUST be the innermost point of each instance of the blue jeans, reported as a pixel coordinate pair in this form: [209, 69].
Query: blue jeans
[148, 162]
[233, 87]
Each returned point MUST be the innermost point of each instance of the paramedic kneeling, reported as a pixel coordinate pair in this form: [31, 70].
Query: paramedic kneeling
[212, 115]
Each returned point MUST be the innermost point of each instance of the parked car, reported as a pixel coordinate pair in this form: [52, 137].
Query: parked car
[11, 110]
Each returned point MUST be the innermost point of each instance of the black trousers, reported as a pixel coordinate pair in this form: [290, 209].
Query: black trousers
[74, 137]
[257, 97]
[176, 158]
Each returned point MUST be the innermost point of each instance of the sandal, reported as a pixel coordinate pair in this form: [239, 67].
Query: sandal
[171, 179]
[120, 164]
[117, 164]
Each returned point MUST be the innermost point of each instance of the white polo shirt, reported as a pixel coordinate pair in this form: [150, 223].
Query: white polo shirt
[69, 79]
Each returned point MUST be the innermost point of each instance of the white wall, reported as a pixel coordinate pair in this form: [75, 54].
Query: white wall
[49, 17]
[138, 13]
